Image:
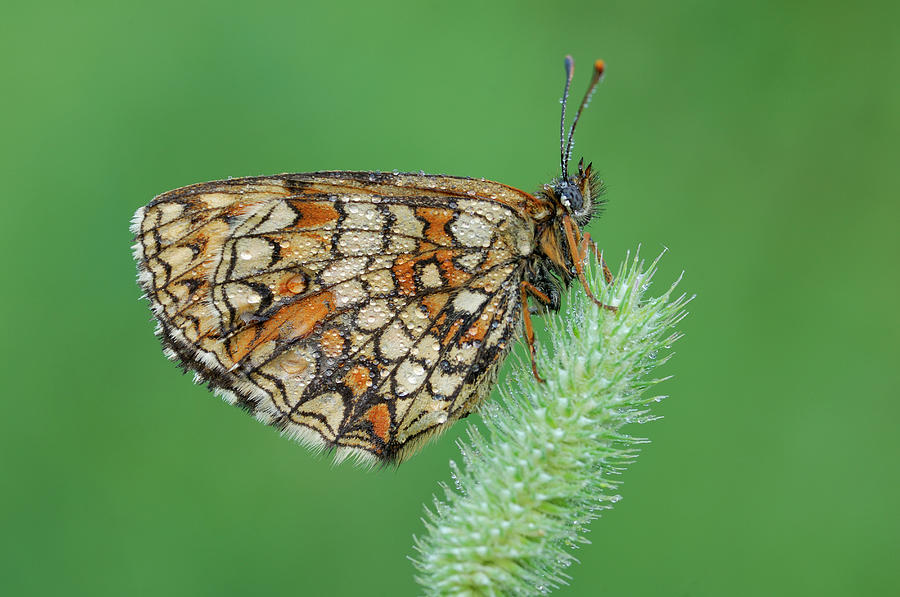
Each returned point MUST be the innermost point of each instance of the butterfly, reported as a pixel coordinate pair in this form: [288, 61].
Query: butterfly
[362, 312]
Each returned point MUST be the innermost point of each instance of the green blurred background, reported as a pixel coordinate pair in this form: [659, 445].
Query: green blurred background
[754, 140]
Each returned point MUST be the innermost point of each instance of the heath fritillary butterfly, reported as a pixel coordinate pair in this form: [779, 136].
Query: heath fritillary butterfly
[361, 311]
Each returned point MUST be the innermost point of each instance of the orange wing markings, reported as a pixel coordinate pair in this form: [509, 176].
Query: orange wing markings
[478, 330]
[436, 219]
[358, 379]
[332, 343]
[380, 417]
[448, 339]
[403, 272]
[453, 275]
[313, 214]
[433, 303]
[292, 321]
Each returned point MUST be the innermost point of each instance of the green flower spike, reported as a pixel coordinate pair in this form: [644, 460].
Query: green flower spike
[553, 453]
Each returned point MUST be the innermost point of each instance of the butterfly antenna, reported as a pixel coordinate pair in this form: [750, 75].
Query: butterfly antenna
[564, 162]
[598, 74]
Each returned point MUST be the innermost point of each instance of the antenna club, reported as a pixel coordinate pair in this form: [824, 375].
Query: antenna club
[566, 147]
[569, 62]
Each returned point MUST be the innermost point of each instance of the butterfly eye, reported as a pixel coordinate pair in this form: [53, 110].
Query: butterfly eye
[571, 198]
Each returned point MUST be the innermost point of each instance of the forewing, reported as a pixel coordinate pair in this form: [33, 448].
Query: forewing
[354, 310]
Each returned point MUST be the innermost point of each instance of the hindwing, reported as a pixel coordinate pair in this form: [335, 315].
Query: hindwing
[353, 310]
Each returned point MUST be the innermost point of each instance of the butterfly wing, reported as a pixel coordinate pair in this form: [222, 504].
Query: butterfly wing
[351, 310]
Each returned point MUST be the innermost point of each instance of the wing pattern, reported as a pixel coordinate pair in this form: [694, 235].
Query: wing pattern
[358, 311]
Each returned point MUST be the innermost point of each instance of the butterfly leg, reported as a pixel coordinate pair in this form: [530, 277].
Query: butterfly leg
[607, 275]
[578, 255]
[527, 288]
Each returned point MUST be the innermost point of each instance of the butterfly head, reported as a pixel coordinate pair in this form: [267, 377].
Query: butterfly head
[580, 195]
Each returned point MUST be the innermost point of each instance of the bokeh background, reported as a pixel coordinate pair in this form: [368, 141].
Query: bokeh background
[758, 141]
